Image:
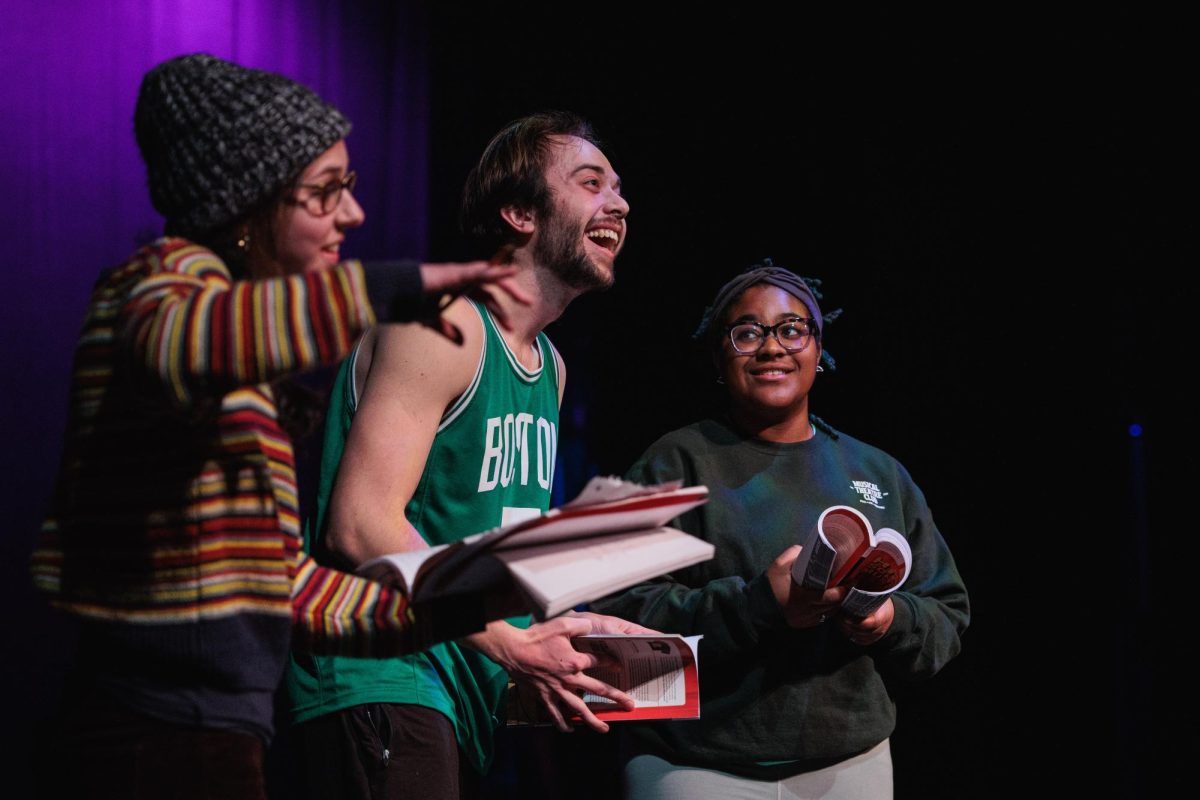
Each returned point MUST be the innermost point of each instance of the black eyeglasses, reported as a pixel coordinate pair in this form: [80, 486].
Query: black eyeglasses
[793, 334]
[324, 198]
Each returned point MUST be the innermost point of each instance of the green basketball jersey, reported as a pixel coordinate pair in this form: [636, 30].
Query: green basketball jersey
[491, 462]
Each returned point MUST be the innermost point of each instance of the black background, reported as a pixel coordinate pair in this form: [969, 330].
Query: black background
[1001, 204]
[1001, 201]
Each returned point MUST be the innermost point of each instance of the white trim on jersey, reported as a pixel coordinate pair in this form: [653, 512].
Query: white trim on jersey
[464, 399]
[529, 376]
[354, 374]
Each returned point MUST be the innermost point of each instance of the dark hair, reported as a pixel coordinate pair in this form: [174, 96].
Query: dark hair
[511, 172]
[711, 332]
[806, 290]
[258, 257]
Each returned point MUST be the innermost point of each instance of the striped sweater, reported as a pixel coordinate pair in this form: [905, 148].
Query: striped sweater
[174, 524]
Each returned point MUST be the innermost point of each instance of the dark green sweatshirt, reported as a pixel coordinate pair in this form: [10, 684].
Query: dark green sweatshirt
[769, 693]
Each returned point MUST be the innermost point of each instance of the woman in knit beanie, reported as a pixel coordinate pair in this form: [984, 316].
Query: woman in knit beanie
[794, 700]
[173, 533]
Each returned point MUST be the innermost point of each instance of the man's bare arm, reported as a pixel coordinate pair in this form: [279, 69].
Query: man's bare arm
[413, 373]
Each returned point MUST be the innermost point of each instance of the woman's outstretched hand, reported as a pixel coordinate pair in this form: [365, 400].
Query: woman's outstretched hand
[481, 281]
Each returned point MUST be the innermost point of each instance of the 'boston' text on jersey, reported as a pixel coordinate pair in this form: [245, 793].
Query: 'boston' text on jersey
[507, 438]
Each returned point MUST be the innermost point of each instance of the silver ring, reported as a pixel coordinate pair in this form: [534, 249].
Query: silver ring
[822, 619]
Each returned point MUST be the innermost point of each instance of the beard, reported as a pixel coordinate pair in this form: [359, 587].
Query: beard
[560, 249]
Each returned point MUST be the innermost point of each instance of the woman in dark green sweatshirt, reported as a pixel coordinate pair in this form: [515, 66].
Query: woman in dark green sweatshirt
[794, 692]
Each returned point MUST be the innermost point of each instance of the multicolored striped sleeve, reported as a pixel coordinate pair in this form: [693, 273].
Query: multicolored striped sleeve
[191, 329]
[336, 613]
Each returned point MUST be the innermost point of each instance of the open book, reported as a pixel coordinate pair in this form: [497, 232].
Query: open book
[841, 550]
[605, 540]
[660, 672]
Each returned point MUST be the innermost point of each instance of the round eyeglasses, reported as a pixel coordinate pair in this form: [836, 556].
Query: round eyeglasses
[324, 198]
[793, 334]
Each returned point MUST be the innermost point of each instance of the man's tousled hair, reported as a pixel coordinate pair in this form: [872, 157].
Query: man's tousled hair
[511, 172]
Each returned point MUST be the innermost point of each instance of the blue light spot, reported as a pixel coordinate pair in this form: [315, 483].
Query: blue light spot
[1135, 430]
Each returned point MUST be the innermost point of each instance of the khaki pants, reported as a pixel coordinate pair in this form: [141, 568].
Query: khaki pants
[867, 776]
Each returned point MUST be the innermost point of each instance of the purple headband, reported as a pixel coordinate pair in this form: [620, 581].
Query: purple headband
[789, 281]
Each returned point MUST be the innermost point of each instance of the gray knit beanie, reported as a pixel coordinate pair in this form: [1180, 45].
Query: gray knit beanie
[219, 139]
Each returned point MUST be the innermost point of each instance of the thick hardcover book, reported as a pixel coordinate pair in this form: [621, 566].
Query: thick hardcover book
[609, 538]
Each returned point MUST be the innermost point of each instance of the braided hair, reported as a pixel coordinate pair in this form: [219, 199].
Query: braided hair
[806, 290]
